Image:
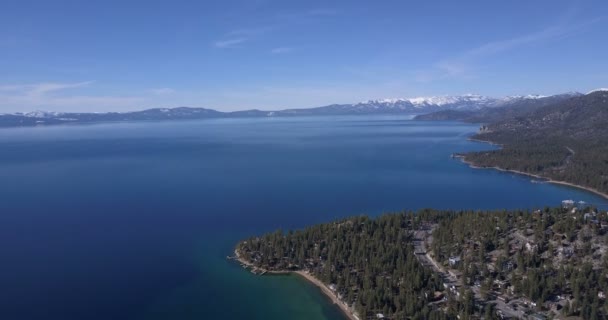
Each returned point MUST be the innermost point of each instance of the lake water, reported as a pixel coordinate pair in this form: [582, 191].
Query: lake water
[134, 220]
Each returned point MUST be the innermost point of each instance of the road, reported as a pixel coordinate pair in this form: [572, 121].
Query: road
[424, 236]
[421, 237]
[567, 160]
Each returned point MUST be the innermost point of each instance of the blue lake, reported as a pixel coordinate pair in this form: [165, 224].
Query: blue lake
[134, 220]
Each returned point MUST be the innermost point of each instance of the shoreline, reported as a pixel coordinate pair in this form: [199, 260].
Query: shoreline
[544, 179]
[311, 279]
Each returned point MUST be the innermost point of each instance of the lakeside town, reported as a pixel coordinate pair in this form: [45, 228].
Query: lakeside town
[496, 286]
[543, 264]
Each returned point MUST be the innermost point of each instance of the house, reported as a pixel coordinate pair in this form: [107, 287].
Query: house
[601, 295]
[581, 205]
[332, 287]
[568, 204]
[454, 261]
[531, 247]
[454, 290]
[529, 303]
[589, 216]
[511, 290]
[501, 283]
[379, 316]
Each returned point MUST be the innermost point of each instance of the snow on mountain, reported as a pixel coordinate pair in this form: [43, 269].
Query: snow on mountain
[529, 96]
[419, 101]
[428, 101]
[417, 105]
[41, 114]
[596, 90]
[445, 100]
[466, 102]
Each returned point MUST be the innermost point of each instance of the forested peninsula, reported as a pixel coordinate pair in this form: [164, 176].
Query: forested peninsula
[437, 264]
[564, 142]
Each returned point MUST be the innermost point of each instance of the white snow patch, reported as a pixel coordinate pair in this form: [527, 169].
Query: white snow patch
[596, 90]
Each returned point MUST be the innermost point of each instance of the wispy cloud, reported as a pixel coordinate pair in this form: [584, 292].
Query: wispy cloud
[235, 38]
[39, 89]
[54, 95]
[162, 91]
[281, 50]
[461, 65]
[550, 33]
[229, 43]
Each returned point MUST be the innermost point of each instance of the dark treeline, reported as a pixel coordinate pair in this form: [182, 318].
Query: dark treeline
[556, 258]
[567, 141]
[371, 262]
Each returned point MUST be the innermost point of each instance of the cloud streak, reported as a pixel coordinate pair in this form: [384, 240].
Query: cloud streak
[229, 43]
[281, 50]
[27, 97]
[39, 89]
[236, 37]
[162, 91]
[459, 66]
[550, 33]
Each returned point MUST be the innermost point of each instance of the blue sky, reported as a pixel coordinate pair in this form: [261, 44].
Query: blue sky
[232, 55]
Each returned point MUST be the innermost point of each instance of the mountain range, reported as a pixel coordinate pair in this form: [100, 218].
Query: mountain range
[456, 107]
[507, 110]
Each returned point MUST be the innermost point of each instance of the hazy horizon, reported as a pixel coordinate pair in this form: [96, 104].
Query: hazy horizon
[282, 109]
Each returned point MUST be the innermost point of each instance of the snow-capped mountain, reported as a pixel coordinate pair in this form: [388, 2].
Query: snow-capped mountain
[468, 102]
[436, 101]
[420, 105]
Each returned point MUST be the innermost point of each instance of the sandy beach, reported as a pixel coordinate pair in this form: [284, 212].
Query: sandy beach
[328, 293]
[345, 309]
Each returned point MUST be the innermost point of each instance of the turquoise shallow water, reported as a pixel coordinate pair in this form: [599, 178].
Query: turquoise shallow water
[134, 220]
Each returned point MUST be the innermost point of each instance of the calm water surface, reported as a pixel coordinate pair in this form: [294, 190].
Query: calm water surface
[134, 220]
